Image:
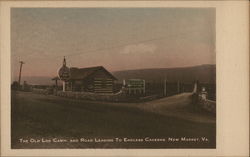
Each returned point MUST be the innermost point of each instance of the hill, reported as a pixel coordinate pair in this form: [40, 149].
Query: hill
[203, 73]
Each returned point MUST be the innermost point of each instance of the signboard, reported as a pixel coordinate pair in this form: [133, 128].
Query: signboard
[136, 86]
[64, 73]
[136, 83]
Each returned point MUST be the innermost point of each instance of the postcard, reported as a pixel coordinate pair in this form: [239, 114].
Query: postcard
[123, 78]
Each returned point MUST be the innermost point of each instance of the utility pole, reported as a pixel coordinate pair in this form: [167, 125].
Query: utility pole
[20, 73]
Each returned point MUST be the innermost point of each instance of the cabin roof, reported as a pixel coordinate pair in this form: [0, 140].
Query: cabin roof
[82, 73]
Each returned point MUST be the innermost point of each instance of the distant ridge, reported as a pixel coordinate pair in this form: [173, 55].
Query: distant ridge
[37, 80]
[204, 73]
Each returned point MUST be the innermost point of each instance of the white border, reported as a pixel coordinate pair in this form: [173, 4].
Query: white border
[232, 62]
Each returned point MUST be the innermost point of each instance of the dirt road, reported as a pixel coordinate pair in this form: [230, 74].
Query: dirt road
[46, 116]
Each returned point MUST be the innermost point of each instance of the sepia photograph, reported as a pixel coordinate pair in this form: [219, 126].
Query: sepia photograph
[124, 78]
[113, 78]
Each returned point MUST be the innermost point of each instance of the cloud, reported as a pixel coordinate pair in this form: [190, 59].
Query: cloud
[139, 49]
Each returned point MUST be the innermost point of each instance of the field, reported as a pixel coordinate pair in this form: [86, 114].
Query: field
[47, 117]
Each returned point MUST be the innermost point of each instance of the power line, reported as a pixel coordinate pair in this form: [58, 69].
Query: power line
[112, 47]
[107, 48]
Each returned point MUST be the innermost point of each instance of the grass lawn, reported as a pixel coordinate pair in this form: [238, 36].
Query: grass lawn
[46, 116]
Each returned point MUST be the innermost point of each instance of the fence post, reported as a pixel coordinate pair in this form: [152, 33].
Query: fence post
[144, 86]
[178, 87]
[165, 87]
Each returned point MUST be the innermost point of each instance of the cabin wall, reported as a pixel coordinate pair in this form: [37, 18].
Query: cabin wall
[103, 82]
[99, 82]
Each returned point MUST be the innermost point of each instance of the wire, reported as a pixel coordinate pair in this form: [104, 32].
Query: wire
[107, 48]
[117, 46]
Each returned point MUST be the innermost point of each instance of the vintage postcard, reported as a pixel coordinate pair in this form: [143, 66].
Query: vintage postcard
[111, 76]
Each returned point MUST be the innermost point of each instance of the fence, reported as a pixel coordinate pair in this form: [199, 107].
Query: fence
[92, 96]
[42, 91]
[171, 88]
[153, 90]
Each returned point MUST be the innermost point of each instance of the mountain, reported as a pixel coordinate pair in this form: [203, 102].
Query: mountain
[203, 73]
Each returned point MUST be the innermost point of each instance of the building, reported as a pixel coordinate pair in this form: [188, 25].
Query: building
[92, 79]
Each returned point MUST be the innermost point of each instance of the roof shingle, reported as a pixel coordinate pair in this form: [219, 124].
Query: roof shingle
[82, 73]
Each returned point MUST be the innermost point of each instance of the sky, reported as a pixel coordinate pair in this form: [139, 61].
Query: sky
[116, 38]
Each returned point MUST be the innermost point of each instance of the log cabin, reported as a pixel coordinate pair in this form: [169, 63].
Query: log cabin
[92, 79]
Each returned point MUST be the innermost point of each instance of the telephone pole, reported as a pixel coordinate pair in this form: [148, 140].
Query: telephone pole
[20, 72]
